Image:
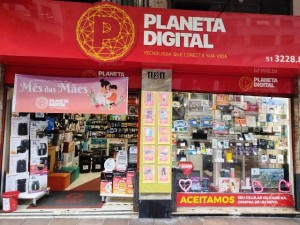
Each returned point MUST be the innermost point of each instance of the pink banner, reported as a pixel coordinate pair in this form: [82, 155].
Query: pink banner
[107, 95]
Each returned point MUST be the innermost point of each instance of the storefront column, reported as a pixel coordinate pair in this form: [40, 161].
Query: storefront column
[297, 145]
[155, 191]
[1, 117]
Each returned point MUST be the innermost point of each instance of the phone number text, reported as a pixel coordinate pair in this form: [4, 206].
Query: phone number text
[283, 59]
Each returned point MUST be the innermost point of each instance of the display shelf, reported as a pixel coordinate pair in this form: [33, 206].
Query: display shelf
[117, 195]
[104, 196]
[34, 196]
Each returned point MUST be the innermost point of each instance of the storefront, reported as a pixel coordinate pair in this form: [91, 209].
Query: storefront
[216, 93]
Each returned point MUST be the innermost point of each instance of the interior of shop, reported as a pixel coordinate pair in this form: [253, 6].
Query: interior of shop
[73, 152]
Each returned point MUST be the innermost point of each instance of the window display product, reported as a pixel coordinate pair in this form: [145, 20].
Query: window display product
[85, 163]
[21, 166]
[22, 129]
[21, 185]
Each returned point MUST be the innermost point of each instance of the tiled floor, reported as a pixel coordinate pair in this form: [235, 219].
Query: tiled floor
[83, 178]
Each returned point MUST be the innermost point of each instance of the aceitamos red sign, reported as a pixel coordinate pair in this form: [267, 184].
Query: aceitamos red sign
[240, 200]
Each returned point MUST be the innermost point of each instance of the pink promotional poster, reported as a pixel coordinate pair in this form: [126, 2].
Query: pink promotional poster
[108, 95]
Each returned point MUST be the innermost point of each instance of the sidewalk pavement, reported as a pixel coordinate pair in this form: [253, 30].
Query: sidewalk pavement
[193, 220]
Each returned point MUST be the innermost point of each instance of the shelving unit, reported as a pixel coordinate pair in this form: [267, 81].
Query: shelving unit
[233, 121]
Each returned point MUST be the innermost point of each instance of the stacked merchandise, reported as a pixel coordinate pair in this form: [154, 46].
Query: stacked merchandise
[38, 157]
[27, 175]
[18, 177]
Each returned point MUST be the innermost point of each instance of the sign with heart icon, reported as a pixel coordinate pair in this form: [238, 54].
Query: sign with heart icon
[186, 167]
[185, 184]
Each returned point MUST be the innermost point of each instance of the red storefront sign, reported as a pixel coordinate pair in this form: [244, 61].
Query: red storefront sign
[44, 33]
[255, 84]
[240, 200]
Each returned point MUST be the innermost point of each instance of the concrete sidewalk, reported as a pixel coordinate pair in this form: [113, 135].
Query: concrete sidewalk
[195, 220]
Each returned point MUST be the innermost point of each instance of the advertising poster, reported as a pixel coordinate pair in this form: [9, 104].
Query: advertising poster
[234, 199]
[222, 99]
[148, 99]
[164, 136]
[164, 175]
[163, 152]
[148, 135]
[149, 154]
[62, 94]
[155, 142]
[164, 117]
[149, 117]
[164, 99]
[148, 174]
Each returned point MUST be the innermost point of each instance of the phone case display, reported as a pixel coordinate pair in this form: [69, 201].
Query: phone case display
[156, 139]
[238, 134]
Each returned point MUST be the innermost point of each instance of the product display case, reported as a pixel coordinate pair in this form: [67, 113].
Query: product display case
[233, 140]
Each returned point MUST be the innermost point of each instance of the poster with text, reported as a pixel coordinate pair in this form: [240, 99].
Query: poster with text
[164, 136]
[148, 174]
[62, 94]
[163, 152]
[149, 117]
[164, 99]
[149, 135]
[164, 117]
[148, 99]
[149, 154]
[164, 174]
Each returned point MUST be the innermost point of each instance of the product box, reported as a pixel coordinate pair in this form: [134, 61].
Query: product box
[229, 185]
[106, 183]
[68, 158]
[38, 129]
[38, 165]
[69, 147]
[106, 176]
[20, 127]
[119, 184]
[38, 148]
[38, 182]
[129, 182]
[18, 163]
[106, 187]
[17, 182]
[19, 146]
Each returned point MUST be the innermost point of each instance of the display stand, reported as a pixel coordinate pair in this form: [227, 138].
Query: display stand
[106, 188]
[34, 196]
[103, 196]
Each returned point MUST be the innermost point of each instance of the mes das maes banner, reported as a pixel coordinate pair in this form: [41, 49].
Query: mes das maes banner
[107, 95]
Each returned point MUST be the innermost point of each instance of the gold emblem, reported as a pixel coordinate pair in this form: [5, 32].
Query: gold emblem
[245, 83]
[105, 32]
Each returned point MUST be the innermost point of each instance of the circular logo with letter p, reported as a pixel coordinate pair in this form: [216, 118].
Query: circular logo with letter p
[105, 33]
